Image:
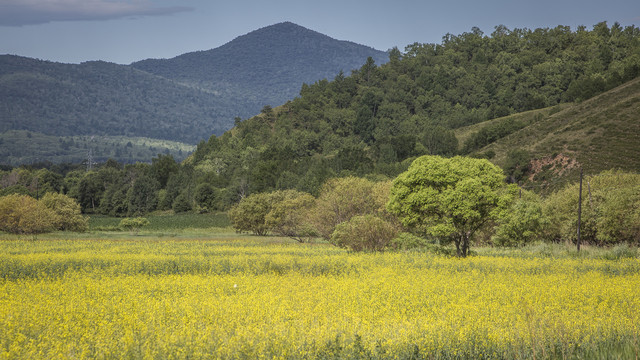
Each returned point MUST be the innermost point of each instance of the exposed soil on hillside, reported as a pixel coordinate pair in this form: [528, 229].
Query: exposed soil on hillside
[558, 166]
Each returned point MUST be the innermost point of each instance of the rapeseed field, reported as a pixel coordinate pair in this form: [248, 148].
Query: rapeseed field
[267, 298]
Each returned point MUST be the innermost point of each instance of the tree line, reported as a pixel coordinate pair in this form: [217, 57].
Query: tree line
[437, 201]
[441, 201]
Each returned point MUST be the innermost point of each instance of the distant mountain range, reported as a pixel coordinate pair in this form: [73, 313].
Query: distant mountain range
[185, 99]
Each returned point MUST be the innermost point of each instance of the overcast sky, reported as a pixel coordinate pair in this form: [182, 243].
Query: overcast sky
[123, 31]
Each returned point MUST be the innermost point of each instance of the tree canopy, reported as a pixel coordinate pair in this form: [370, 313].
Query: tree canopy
[450, 199]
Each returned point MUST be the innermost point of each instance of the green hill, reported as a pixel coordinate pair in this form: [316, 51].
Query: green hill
[104, 99]
[598, 134]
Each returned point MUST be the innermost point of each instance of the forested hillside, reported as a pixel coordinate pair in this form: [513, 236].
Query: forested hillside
[379, 118]
[99, 98]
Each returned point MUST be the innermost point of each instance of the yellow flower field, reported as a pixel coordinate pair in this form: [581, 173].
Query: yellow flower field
[263, 298]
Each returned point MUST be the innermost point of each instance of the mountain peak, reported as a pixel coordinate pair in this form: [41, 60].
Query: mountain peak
[269, 64]
[286, 34]
[286, 26]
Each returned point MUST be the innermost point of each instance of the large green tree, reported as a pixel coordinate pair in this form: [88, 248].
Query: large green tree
[448, 198]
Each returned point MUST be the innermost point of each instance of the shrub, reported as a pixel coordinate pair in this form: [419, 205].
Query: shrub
[521, 223]
[67, 215]
[22, 214]
[133, 224]
[288, 216]
[364, 232]
[408, 241]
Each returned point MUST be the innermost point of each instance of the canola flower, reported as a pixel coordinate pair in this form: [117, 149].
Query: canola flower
[247, 298]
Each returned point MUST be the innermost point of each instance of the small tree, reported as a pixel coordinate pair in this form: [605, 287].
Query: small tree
[447, 198]
[263, 212]
[341, 199]
[133, 224]
[520, 223]
[142, 197]
[181, 203]
[205, 196]
[249, 214]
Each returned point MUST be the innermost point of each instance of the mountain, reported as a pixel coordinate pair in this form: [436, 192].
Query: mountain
[266, 66]
[185, 99]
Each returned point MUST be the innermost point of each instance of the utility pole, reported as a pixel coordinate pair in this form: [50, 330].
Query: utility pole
[90, 161]
[579, 209]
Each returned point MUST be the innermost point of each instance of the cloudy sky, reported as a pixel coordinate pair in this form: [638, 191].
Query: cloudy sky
[123, 31]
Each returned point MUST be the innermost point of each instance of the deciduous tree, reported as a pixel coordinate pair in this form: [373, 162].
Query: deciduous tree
[288, 217]
[447, 198]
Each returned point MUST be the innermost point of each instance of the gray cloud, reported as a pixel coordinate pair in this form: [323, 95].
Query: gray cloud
[32, 12]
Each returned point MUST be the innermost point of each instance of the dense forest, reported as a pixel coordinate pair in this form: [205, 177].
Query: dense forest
[371, 123]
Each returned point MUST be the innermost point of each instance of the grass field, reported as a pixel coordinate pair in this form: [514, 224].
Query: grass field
[168, 223]
[26, 147]
[233, 297]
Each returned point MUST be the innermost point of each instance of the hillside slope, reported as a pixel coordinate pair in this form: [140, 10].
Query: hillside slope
[598, 134]
[377, 120]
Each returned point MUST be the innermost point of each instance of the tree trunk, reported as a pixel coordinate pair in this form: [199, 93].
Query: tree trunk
[464, 239]
[458, 241]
